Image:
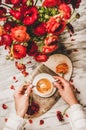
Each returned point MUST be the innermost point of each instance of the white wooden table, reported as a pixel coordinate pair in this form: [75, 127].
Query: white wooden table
[78, 57]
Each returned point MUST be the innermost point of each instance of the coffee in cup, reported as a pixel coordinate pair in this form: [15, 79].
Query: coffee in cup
[44, 86]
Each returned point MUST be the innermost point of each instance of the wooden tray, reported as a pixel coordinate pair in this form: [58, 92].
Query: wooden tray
[48, 67]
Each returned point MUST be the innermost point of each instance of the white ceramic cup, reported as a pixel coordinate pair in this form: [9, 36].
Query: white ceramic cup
[43, 83]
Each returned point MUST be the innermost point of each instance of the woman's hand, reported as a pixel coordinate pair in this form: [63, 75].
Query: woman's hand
[66, 90]
[21, 98]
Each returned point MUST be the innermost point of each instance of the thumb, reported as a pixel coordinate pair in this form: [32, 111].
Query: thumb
[29, 88]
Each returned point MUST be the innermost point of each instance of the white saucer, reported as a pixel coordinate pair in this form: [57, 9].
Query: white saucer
[40, 76]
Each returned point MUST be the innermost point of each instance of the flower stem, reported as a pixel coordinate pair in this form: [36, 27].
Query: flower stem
[65, 110]
[62, 74]
[21, 61]
[30, 100]
[6, 5]
[72, 18]
[36, 2]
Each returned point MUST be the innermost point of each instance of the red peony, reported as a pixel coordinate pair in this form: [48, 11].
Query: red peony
[50, 3]
[65, 10]
[51, 39]
[29, 28]
[15, 2]
[18, 51]
[30, 16]
[40, 30]
[74, 3]
[49, 49]
[8, 1]
[55, 25]
[23, 9]
[2, 13]
[19, 34]
[9, 25]
[16, 14]
[24, 2]
[32, 49]
[41, 57]
[6, 39]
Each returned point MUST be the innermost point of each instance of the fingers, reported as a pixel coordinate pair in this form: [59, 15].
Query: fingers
[20, 90]
[61, 79]
[23, 90]
[57, 85]
[29, 88]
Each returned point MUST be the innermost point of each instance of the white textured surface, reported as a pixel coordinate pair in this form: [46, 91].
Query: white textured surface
[8, 70]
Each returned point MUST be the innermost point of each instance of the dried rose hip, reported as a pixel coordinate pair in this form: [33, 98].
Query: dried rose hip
[12, 87]
[20, 66]
[4, 106]
[41, 122]
[30, 121]
[60, 116]
[5, 119]
[33, 108]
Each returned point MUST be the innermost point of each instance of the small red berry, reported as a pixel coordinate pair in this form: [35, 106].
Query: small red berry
[25, 73]
[4, 106]
[60, 116]
[29, 62]
[30, 121]
[5, 119]
[41, 122]
[67, 115]
[14, 77]
[12, 87]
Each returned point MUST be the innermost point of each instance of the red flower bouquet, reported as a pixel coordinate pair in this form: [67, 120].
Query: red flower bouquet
[32, 29]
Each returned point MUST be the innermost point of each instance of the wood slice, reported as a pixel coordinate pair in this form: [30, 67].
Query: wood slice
[57, 59]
